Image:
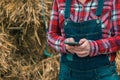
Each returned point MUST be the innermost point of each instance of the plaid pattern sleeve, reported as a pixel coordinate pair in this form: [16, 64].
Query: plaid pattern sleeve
[54, 35]
[112, 43]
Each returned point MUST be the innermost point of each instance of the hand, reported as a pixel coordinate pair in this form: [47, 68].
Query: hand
[84, 49]
[70, 49]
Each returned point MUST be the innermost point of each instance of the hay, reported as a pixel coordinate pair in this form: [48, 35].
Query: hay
[118, 62]
[43, 70]
[23, 41]
[23, 19]
[5, 50]
[16, 66]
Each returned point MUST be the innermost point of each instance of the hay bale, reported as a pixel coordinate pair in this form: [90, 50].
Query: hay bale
[46, 69]
[14, 66]
[21, 25]
[118, 62]
[23, 19]
[6, 48]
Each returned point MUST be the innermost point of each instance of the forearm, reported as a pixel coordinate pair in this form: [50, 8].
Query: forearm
[105, 46]
[57, 42]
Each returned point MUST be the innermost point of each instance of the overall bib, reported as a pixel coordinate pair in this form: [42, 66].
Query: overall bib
[88, 68]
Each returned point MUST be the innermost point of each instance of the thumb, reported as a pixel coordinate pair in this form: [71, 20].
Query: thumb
[71, 39]
[82, 41]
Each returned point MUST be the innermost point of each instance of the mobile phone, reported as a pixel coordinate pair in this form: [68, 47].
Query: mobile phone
[72, 43]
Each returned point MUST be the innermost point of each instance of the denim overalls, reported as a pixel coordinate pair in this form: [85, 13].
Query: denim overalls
[73, 67]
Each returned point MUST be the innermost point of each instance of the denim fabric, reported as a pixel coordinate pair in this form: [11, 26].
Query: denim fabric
[88, 68]
[85, 63]
[90, 30]
[107, 72]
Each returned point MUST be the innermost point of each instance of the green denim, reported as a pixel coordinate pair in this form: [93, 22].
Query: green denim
[107, 72]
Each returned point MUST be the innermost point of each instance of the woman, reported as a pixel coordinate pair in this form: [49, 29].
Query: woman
[87, 34]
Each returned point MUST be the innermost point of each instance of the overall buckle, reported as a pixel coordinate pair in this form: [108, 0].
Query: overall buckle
[98, 20]
[66, 21]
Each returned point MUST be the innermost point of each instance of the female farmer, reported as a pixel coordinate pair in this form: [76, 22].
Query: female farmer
[87, 34]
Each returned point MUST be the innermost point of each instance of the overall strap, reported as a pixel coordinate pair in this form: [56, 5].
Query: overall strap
[67, 9]
[100, 8]
[98, 12]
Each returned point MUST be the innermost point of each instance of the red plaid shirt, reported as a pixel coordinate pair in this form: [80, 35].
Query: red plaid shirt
[82, 12]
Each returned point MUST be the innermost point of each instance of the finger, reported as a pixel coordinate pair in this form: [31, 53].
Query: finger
[84, 45]
[83, 54]
[71, 52]
[78, 49]
[70, 48]
[71, 39]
